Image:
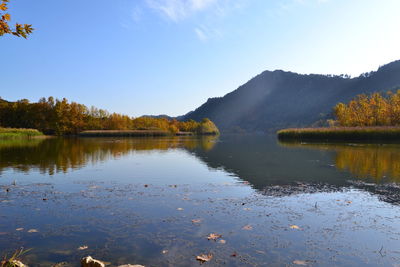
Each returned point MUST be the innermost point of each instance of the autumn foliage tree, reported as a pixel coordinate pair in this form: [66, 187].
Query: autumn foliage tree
[60, 117]
[20, 30]
[370, 110]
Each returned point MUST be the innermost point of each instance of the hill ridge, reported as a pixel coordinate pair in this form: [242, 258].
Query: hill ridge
[276, 99]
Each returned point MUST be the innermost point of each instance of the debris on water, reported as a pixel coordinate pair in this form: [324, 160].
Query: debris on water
[180, 209]
[33, 231]
[204, 257]
[222, 241]
[301, 262]
[90, 262]
[130, 265]
[14, 263]
[299, 188]
[165, 251]
[247, 227]
[83, 247]
[19, 229]
[388, 192]
[295, 227]
[93, 187]
[196, 221]
[60, 264]
[213, 236]
[234, 254]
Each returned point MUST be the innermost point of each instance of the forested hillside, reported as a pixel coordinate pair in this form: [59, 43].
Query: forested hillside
[279, 99]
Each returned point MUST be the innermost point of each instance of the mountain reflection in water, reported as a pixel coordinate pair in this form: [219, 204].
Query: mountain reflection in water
[259, 160]
[154, 201]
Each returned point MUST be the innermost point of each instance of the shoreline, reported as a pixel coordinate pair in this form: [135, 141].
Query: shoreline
[136, 133]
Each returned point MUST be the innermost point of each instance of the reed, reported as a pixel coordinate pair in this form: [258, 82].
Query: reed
[13, 133]
[384, 133]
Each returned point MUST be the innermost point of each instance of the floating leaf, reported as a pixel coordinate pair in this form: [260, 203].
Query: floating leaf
[299, 262]
[213, 236]
[247, 227]
[204, 257]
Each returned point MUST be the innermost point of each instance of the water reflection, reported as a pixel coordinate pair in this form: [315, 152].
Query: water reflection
[260, 160]
[56, 155]
[379, 162]
[143, 198]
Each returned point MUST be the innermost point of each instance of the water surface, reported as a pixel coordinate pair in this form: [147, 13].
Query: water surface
[154, 201]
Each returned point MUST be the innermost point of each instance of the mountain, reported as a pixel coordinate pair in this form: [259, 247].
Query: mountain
[279, 99]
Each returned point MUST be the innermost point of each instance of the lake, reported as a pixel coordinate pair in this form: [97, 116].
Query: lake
[155, 201]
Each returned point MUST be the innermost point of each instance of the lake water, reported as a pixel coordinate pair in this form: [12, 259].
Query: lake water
[155, 201]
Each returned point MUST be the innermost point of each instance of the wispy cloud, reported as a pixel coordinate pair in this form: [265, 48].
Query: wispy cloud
[177, 10]
[205, 33]
[207, 16]
[137, 14]
[201, 34]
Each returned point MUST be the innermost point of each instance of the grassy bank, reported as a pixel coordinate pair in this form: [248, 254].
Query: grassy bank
[341, 134]
[13, 133]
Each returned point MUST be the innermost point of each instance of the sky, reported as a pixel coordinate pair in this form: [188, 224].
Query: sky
[169, 56]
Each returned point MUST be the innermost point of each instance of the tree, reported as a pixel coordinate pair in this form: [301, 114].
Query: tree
[20, 30]
[370, 110]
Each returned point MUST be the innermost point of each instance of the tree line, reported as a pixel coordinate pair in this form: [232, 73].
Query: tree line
[61, 117]
[377, 109]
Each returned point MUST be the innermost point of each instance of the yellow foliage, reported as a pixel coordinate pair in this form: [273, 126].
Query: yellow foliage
[54, 116]
[373, 110]
[20, 30]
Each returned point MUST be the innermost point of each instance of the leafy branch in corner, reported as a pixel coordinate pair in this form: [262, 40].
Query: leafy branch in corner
[20, 30]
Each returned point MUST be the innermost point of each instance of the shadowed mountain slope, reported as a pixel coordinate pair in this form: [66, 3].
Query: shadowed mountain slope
[278, 99]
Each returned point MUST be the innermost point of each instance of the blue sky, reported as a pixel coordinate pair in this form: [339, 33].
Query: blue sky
[168, 56]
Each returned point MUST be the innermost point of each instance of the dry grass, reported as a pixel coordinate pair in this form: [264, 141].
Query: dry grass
[341, 133]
